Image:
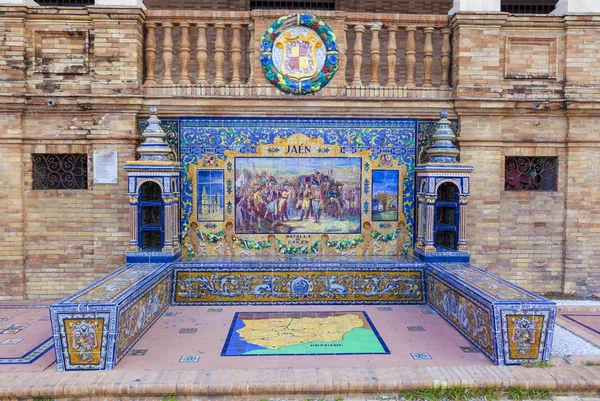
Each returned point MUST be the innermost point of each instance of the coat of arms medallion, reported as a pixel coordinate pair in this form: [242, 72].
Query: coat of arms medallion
[299, 53]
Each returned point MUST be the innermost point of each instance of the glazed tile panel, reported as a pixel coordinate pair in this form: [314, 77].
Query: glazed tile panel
[263, 186]
[137, 316]
[95, 327]
[508, 324]
[110, 287]
[470, 317]
[493, 286]
[298, 283]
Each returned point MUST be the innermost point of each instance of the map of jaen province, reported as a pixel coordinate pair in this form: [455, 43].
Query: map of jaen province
[302, 333]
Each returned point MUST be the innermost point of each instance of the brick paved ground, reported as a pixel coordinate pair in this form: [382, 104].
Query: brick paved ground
[315, 383]
[269, 380]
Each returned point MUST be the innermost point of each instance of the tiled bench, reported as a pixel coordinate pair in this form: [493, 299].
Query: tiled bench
[97, 326]
[508, 324]
[299, 280]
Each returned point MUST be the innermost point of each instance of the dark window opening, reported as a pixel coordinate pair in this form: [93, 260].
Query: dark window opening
[150, 216]
[530, 173]
[528, 6]
[446, 216]
[60, 171]
[65, 3]
[304, 5]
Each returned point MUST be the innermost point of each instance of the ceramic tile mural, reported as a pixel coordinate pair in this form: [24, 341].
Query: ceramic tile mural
[508, 324]
[322, 333]
[470, 317]
[85, 340]
[96, 334]
[526, 332]
[138, 316]
[492, 285]
[386, 186]
[291, 287]
[113, 285]
[298, 186]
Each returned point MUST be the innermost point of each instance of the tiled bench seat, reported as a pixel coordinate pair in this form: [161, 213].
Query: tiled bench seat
[505, 322]
[97, 326]
[299, 280]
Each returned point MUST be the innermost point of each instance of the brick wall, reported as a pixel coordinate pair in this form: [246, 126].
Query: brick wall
[518, 91]
[74, 236]
[12, 279]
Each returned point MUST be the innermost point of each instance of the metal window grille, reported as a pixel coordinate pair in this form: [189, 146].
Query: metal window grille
[528, 6]
[65, 3]
[306, 5]
[60, 171]
[531, 173]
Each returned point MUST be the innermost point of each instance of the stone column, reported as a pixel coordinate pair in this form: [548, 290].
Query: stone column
[175, 221]
[375, 54]
[236, 53]
[429, 216]
[576, 7]
[201, 54]
[133, 223]
[167, 53]
[391, 55]
[251, 54]
[119, 3]
[445, 61]
[474, 6]
[168, 222]
[420, 223]
[150, 53]
[357, 54]
[411, 57]
[184, 53]
[219, 53]
[462, 224]
[427, 56]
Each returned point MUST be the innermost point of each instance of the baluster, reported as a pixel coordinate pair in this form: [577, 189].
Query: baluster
[219, 53]
[201, 54]
[428, 56]
[375, 54]
[411, 57]
[150, 53]
[446, 57]
[358, 52]
[167, 53]
[251, 54]
[236, 53]
[184, 53]
[344, 56]
[391, 56]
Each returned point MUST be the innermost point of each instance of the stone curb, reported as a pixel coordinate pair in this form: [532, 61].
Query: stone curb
[287, 383]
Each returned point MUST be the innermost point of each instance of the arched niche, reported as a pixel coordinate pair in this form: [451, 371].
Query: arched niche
[447, 216]
[150, 217]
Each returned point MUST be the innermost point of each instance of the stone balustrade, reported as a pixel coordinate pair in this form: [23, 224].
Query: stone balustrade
[201, 53]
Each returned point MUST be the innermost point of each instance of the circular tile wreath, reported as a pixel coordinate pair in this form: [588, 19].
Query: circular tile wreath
[299, 53]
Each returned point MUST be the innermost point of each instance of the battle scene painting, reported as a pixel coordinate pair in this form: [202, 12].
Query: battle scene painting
[297, 195]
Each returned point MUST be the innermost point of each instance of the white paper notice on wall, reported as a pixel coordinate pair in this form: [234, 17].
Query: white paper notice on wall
[105, 166]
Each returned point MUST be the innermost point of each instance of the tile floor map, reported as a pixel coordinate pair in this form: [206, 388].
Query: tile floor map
[303, 333]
